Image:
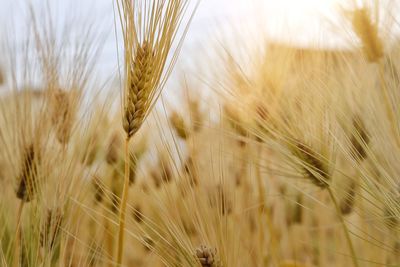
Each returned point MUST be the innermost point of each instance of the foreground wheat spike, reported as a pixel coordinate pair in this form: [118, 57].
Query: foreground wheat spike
[139, 90]
[149, 28]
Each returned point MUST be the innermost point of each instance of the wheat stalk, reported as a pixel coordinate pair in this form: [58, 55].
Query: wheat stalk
[149, 29]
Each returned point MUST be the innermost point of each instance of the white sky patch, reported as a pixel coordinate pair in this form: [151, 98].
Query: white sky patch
[299, 22]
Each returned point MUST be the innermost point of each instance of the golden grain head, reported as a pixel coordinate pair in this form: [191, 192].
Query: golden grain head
[149, 30]
[140, 88]
[114, 149]
[190, 169]
[206, 256]
[367, 32]
[196, 115]
[295, 216]
[359, 139]
[98, 188]
[313, 165]
[62, 114]
[28, 183]
[347, 203]
[237, 123]
[179, 125]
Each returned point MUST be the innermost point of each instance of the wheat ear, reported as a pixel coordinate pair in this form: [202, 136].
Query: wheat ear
[149, 28]
[316, 169]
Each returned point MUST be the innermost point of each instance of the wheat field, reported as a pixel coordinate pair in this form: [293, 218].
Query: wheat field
[268, 154]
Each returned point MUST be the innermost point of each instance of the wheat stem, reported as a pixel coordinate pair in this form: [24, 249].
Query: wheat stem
[16, 258]
[124, 200]
[264, 210]
[108, 240]
[345, 228]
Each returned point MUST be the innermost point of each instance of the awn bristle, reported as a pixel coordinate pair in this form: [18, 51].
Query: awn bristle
[392, 214]
[218, 199]
[139, 91]
[367, 31]
[28, 177]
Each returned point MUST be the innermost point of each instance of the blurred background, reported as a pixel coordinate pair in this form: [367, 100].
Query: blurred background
[218, 24]
[301, 22]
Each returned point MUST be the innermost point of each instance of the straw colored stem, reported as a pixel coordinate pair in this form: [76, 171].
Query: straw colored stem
[264, 210]
[124, 200]
[109, 241]
[16, 258]
[345, 229]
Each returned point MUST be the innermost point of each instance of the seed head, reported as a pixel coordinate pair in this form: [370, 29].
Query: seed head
[62, 114]
[138, 100]
[179, 125]
[367, 31]
[28, 177]
[206, 256]
[313, 165]
[359, 139]
[347, 204]
[113, 150]
[98, 189]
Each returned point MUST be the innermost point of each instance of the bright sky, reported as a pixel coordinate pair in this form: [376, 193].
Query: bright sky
[299, 21]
